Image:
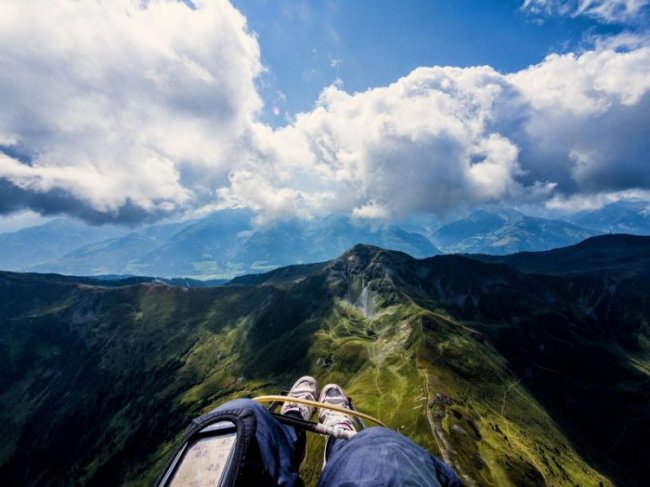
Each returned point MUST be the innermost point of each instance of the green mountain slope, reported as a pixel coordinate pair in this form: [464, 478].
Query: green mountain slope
[612, 255]
[514, 378]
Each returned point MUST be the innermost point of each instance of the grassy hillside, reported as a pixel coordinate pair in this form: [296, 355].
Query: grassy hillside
[513, 378]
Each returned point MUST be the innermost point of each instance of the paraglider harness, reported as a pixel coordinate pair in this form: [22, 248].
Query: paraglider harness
[216, 444]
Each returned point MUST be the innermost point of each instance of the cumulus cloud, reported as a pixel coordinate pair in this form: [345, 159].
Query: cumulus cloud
[121, 110]
[588, 127]
[424, 143]
[128, 110]
[609, 11]
[442, 138]
[580, 202]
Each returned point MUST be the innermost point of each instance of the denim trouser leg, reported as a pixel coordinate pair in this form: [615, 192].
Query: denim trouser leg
[379, 457]
[280, 445]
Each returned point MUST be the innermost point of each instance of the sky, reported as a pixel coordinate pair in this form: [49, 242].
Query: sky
[361, 45]
[132, 111]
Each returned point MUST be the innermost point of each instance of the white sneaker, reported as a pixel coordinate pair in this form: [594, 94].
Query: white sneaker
[335, 395]
[304, 388]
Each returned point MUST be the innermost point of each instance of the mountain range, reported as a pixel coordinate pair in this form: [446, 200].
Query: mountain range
[623, 216]
[50, 241]
[225, 244]
[516, 370]
[506, 231]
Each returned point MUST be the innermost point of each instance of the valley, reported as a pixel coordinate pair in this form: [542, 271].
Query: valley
[515, 375]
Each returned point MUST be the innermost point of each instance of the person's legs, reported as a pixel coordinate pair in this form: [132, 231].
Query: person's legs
[278, 449]
[380, 457]
[376, 457]
[275, 455]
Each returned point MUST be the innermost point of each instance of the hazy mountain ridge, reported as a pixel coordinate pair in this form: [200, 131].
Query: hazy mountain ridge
[503, 232]
[605, 255]
[224, 244]
[514, 378]
[623, 216]
[31, 246]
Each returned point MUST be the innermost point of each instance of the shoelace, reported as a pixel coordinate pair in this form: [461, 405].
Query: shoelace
[336, 419]
[303, 409]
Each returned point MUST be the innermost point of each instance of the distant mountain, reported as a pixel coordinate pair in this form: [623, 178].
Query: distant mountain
[224, 244]
[422, 223]
[115, 256]
[25, 248]
[623, 216]
[514, 373]
[283, 277]
[330, 236]
[506, 231]
[206, 247]
[112, 280]
[614, 256]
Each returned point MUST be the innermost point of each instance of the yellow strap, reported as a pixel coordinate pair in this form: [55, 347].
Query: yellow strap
[318, 405]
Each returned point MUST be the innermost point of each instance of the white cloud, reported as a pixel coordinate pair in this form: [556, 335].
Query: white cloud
[610, 11]
[19, 220]
[424, 143]
[335, 63]
[118, 111]
[257, 192]
[581, 202]
[122, 104]
[442, 138]
[588, 127]
[371, 210]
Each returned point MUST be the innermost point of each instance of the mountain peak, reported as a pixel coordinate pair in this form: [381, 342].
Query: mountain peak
[505, 231]
[491, 352]
[364, 255]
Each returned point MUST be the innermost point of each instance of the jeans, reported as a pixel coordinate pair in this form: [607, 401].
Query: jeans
[373, 457]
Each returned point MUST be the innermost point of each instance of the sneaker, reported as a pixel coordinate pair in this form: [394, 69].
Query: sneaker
[304, 388]
[335, 395]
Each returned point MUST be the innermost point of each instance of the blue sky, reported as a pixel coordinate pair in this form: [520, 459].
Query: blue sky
[129, 112]
[363, 44]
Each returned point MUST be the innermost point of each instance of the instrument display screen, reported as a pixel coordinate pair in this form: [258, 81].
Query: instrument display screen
[205, 462]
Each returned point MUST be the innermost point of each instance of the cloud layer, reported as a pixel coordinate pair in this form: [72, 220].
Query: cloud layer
[609, 11]
[127, 110]
[440, 138]
[121, 109]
